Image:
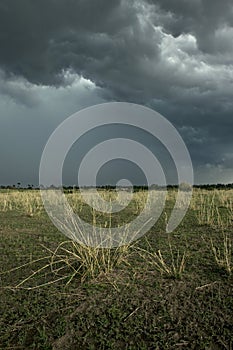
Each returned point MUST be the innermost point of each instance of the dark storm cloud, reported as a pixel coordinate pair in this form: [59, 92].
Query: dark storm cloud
[40, 38]
[117, 44]
[200, 17]
[106, 41]
[174, 56]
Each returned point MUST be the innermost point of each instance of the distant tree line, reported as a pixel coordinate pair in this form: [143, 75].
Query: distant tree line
[183, 186]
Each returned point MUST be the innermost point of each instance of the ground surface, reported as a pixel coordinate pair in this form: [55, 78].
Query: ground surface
[133, 306]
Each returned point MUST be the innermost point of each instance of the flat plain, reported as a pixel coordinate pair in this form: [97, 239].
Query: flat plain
[162, 291]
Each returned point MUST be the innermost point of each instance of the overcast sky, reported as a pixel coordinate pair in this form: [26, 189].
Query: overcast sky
[59, 56]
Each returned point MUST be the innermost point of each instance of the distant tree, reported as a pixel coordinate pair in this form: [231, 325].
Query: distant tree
[154, 187]
[185, 187]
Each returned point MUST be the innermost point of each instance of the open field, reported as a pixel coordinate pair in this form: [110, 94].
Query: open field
[164, 291]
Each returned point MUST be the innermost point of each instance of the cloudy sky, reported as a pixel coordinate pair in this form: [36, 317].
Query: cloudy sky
[59, 56]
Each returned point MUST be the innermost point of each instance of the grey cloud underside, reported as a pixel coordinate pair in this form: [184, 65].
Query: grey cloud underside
[201, 17]
[124, 46]
[174, 56]
[39, 39]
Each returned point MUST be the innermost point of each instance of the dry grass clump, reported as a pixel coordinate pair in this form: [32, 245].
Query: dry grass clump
[27, 202]
[171, 266]
[223, 252]
[213, 208]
